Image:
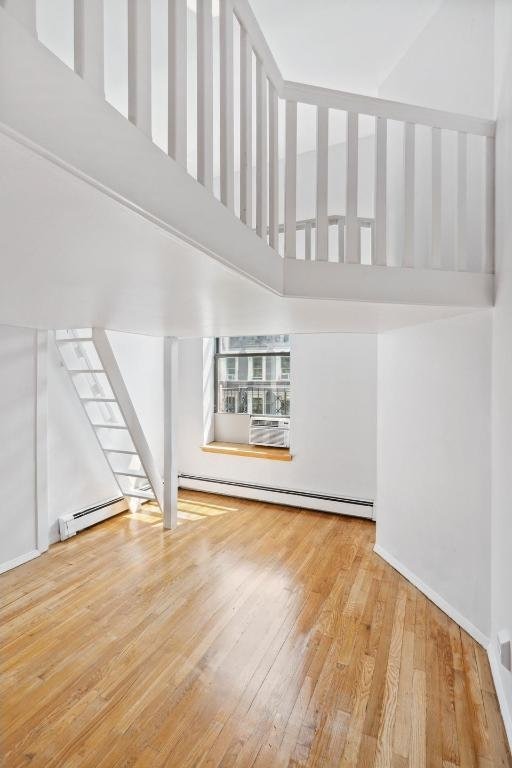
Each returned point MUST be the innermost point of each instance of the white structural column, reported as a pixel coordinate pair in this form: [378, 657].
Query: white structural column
[23, 11]
[204, 94]
[245, 128]
[273, 163]
[261, 151]
[89, 42]
[170, 416]
[436, 256]
[488, 265]
[462, 199]
[41, 440]
[139, 64]
[352, 234]
[177, 81]
[290, 182]
[379, 232]
[208, 389]
[322, 175]
[226, 103]
[409, 164]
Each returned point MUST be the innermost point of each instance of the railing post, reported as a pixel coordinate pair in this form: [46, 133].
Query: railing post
[322, 175]
[170, 506]
[379, 230]
[261, 151]
[89, 42]
[488, 265]
[409, 164]
[290, 182]
[245, 128]
[462, 199]
[353, 235]
[307, 241]
[341, 240]
[226, 103]
[436, 256]
[24, 11]
[177, 81]
[139, 64]
[204, 94]
[273, 151]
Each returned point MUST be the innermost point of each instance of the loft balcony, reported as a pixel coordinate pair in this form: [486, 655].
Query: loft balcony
[387, 221]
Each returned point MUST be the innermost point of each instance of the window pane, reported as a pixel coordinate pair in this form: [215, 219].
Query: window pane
[254, 344]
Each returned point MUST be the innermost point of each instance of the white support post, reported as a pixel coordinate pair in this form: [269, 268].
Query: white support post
[226, 104]
[139, 64]
[89, 43]
[488, 265]
[379, 231]
[41, 338]
[341, 241]
[170, 509]
[436, 256]
[290, 182]
[307, 241]
[204, 94]
[462, 200]
[409, 165]
[208, 390]
[322, 175]
[261, 151]
[24, 11]
[353, 236]
[273, 153]
[245, 128]
[177, 81]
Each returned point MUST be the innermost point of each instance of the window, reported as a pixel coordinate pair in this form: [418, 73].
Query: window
[252, 375]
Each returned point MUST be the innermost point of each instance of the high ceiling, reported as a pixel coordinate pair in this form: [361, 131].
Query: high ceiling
[349, 45]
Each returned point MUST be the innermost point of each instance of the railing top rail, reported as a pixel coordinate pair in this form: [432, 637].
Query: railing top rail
[393, 110]
[248, 21]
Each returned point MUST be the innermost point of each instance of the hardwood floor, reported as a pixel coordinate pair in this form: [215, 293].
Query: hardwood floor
[254, 636]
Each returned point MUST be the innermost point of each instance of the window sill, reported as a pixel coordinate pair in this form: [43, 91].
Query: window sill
[250, 451]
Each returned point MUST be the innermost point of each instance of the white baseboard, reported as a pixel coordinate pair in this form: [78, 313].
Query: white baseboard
[505, 706]
[10, 564]
[285, 497]
[441, 603]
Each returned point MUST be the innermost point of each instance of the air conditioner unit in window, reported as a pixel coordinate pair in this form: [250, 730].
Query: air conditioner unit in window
[269, 430]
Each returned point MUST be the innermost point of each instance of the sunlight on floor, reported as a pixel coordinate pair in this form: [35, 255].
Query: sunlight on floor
[189, 510]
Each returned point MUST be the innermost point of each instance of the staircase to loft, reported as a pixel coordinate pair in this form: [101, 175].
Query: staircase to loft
[246, 213]
[91, 364]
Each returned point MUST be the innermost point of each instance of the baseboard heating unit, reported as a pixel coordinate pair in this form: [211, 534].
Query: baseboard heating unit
[306, 499]
[69, 525]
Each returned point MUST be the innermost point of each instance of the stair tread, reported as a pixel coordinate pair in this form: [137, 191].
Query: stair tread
[149, 495]
[130, 473]
[108, 426]
[86, 370]
[120, 450]
[98, 399]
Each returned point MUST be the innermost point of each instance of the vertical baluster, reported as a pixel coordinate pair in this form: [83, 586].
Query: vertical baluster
[435, 260]
[177, 81]
[226, 103]
[488, 265]
[462, 199]
[24, 11]
[341, 240]
[204, 93]
[273, 194]
[353, 240]
[261, 150]
[89, 42]
[307, 241]
[245, 128]
[409, 163]
[322, 159]
[379, 230]
[139, 64]
[290, 182]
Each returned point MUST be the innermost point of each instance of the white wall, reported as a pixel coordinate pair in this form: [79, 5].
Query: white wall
[17, 442]
[333, 419]
[502, 384]
[433, 459]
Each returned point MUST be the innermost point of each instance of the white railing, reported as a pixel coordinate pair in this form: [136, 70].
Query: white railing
[427, 175]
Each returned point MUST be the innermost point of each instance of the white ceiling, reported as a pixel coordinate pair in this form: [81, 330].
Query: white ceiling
[349, 45]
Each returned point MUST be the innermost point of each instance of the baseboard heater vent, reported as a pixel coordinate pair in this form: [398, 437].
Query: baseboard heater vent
[320, 501]
[69, 525]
